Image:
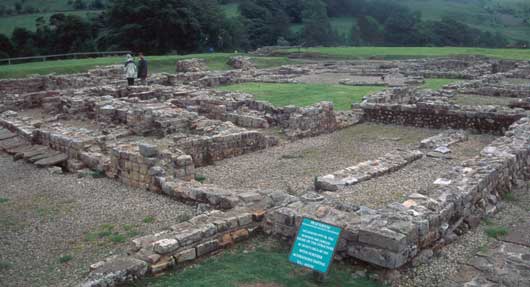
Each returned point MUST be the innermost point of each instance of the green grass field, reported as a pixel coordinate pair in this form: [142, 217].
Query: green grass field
[157, 64]
[411, 52]
[247, 265]
[304, 94]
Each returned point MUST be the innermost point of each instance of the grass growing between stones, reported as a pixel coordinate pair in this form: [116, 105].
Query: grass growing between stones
[109, 233]
[65, 258]
[436, 84]
[304, 94]
[477, 100]
[3, 200]
[496, 231]
[200, 178]
[149, 219]
[254, 264]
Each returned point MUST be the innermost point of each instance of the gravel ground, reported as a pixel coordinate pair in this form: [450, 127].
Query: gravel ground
[419, 175]
[54, 226]
[452, 258]
[292, 166]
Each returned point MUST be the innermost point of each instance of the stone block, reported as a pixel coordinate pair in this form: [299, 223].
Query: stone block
[148, 150]
[186, 255]
[382, 237]
[164, 264]
[244, 219]
[207, 247]
[165, 246]
[189, 237]
[240, 235]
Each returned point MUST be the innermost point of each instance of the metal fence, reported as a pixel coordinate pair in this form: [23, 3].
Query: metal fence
[44, 58]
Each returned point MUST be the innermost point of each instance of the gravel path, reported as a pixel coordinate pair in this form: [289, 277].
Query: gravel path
[293, 166]
[419, 175]
[54, 226]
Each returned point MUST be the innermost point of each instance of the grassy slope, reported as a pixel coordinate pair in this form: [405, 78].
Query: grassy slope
[410, 52]
[474, 13]
[304, 94]
[471, 12]
[251, 265]
[215, 61]
[8, 24]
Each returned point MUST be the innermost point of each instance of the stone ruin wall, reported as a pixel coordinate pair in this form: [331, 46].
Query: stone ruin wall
[406, 106]
[392, 236]
[95, 77]
[389, 237]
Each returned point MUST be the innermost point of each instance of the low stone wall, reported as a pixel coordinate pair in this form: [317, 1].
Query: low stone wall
[138, 165]
[207, 149]
[392, 236]
[443, 116]
[181, 244]
[96, 77]
[366, 170]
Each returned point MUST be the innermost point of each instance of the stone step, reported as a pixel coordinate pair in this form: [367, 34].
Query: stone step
[12, 143]
[7, 135]
[43, 155]
[50, 161]
[31, 152]
[19, 149]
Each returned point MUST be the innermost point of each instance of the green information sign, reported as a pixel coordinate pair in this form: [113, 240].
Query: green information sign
[315, 245]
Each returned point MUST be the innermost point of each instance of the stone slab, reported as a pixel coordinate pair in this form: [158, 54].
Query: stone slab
[42, 155]
[53, 160]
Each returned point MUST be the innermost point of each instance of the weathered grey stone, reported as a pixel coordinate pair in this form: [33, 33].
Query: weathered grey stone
[165, 246]
[116, 270]
[148, 150]
[186, 255]
[207, 247]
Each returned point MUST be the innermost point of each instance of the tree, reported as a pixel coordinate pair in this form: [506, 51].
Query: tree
[6, 47]
[317, 28]
[370, 30]
[400, 28]
[355, 34]
[160, 26]
[265, 21]
[22, 40]
[79, 5]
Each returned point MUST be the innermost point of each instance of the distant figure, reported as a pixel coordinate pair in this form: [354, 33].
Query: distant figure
[130, 70]
[142, 70]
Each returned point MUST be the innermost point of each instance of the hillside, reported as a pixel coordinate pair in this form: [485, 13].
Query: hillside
[509, 17]
[23, 13]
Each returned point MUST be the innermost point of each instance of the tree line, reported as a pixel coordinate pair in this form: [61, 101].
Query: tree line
[184, 26]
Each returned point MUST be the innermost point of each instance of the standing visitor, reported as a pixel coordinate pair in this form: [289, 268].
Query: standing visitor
[130, 70]
[142, 70]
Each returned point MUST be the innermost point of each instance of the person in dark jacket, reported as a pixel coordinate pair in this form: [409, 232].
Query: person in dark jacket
[142, 69]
